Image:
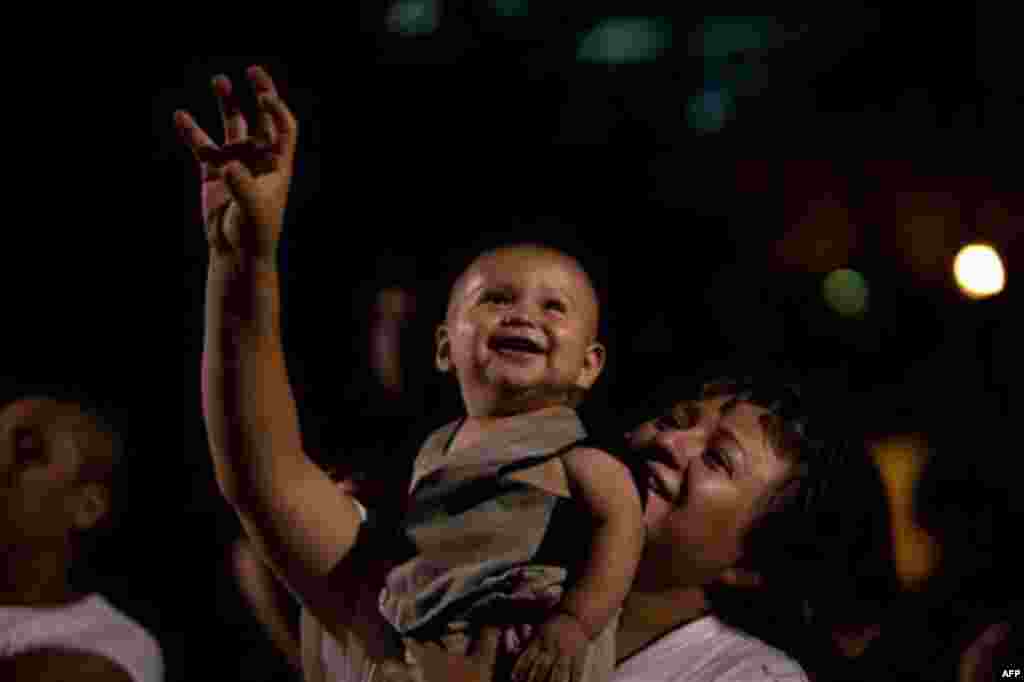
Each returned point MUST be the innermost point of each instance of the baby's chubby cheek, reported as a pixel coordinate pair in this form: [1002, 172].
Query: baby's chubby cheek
[465, 336]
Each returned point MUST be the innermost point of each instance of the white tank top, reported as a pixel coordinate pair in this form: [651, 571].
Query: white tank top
[91, 625]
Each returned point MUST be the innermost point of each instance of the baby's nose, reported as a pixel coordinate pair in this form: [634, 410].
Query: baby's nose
[518, 317]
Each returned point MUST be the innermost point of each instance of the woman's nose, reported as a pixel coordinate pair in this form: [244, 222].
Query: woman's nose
[668, 441]
[681, 444]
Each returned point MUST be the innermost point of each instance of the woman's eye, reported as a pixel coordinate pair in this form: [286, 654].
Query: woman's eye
[556, 305]
[686, 415]
[666, 422]
[716, 458]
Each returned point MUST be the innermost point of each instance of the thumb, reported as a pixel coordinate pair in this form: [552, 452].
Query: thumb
[242, 185]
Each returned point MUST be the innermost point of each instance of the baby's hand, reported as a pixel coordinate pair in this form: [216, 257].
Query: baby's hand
[555, 654]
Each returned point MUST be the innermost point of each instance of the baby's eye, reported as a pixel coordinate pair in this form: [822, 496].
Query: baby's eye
[495, 297]
[27, 447]
[555, 304]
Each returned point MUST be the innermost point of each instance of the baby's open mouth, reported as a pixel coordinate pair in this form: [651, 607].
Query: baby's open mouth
[515, 344]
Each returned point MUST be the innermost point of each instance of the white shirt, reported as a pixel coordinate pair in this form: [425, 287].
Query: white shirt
[708, 650]
[91, 625]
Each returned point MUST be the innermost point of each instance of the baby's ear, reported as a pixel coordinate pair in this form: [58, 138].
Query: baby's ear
[443, 356]
[593, 365]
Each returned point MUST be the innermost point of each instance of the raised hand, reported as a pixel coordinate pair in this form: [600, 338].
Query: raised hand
[245, 181]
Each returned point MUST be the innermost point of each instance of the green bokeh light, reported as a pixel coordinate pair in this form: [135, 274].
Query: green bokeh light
[414, 17]
[724, 36]
[624, 40]
[511, 8]
[846, 292]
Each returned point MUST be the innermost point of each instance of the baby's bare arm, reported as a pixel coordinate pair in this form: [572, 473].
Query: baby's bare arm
[605, 485]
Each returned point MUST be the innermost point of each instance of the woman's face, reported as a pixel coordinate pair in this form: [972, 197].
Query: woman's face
[709, 465]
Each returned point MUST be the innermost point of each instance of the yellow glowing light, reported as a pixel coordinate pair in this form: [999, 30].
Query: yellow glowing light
[979, 271]
[900, 461]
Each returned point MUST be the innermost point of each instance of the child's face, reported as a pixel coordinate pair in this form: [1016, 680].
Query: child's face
[39, 467]
[520, 333]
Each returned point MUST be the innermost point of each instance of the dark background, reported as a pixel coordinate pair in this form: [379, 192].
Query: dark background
[881, 140]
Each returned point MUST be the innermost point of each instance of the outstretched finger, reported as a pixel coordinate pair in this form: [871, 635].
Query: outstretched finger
[264, 87]
[261, 81]
[235, 128]
[266, 132]
[282, 123]
[279, 123]
[195, 138]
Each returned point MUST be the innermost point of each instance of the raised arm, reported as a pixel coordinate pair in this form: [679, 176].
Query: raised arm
[297, 519]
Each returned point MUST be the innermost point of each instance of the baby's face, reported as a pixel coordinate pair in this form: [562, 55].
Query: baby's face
[521, 331]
